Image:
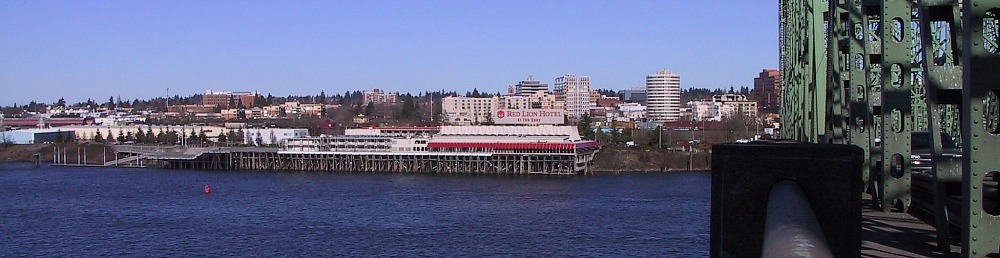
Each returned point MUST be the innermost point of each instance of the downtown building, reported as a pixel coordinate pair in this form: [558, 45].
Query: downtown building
[663, 97]
[575, 92]
[530, 86]
[722, 107]
[229, 99]
[767, 91]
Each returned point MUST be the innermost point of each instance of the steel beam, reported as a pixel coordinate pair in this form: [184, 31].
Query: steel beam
[896, 105]
[981, 125]
[939, 26]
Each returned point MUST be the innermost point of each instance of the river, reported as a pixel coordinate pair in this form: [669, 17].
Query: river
[72, 211]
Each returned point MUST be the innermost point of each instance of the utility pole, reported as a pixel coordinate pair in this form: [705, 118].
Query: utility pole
[659, 139]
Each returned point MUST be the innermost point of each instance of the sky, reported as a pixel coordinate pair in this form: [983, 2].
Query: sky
[138, 49]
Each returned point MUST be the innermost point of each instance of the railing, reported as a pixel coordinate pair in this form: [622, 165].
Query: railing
[791, 229]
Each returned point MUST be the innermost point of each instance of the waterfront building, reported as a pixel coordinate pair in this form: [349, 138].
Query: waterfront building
[271, 136]
[767, 91]
[37, 135]
[378, 96]
[87, 132]
[575, 92]
[530, 86]
[663, 96]
[555, 150]
[468, 110]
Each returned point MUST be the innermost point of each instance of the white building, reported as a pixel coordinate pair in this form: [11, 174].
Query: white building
[378, 96]
[632, 111]
[663, 97]
[468, 111]
[537, 100]
[702, 110]
[722, 107]
[33, 136]
[575, 92]
[735, 104]
[271, 136]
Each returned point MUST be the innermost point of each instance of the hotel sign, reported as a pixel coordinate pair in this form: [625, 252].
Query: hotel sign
[529, 116]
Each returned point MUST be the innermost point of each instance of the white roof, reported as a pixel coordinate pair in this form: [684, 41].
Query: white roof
[561, 132]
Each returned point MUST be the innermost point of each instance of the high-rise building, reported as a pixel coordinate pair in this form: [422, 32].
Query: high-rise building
[767, 91]
[575, 92]
[663, 97]
[530, 86]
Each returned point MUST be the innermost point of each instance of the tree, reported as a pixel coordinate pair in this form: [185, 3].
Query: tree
[223, 138]
[61, 102]
[369, 109]
[239, 136]
[489, 120]
[655, 139]
[586, 127]
[111, 103]
[192, 137]
[161, 137]
[98, 137]
[202, 137]
[121, 136]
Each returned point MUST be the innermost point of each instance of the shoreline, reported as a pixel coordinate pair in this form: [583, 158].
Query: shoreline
[607, 161]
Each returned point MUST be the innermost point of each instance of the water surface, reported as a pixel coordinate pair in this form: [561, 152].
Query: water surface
[54, 211]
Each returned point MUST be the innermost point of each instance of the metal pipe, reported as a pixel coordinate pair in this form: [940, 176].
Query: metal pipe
[791, 229]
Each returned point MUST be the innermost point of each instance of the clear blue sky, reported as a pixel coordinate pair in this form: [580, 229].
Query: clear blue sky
[137, 49]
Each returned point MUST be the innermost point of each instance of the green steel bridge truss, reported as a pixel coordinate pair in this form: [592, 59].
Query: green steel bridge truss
[870, 72]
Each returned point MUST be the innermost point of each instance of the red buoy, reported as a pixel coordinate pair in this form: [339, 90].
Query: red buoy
[208, 189]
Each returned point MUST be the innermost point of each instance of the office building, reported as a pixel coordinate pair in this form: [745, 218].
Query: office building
[663, 97]
[574, 91]
[767, 91]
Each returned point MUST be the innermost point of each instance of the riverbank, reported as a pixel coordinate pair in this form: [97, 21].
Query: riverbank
[638, 160]
[74, 153]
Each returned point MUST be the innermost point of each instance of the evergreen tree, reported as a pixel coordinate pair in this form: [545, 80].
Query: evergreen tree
[586, 127]
[150, 137]
[129, 137]
[240, 136]
[654, 139]
[121, 136]
[202, 138]
[369, 108]
[98, 137]
[161, 137]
